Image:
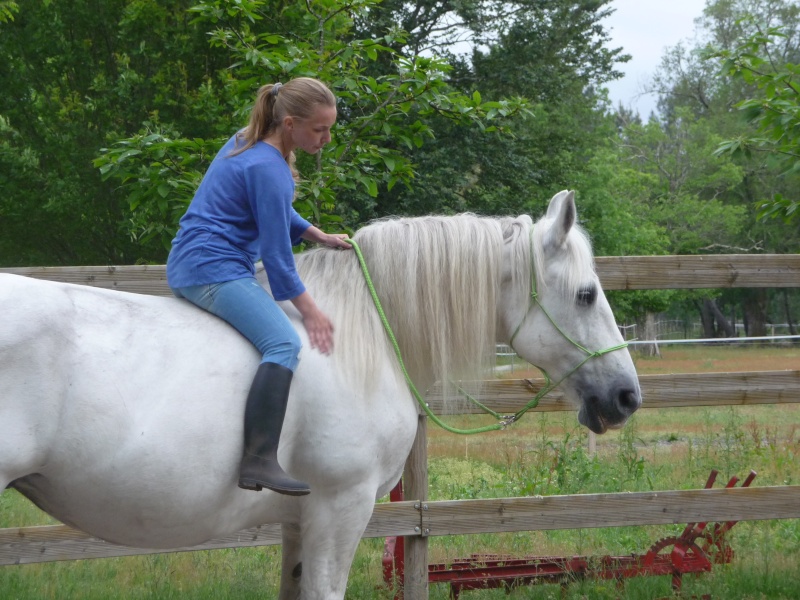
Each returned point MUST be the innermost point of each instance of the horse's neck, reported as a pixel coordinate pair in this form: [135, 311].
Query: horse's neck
[437, 281]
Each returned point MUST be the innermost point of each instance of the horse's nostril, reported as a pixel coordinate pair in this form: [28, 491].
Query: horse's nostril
[629, 401]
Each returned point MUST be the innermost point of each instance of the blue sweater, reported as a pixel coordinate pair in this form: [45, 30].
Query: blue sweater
[241, 212]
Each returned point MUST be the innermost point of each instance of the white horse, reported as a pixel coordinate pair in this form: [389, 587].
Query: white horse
[121, 414]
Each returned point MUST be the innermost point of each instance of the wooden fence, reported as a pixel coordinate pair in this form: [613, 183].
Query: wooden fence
[419, 518]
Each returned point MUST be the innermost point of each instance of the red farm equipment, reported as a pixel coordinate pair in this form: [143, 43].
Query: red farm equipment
[695, 550]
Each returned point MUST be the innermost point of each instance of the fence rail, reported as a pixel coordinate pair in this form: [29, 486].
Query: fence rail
[139, 279]
[507, 396]
[615, 272]
[28, 545]
[693, 272]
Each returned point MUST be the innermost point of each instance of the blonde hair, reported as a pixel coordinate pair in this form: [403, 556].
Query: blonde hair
[299, 98]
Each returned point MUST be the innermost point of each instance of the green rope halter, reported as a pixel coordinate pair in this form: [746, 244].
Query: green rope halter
[503, 420]
[534, 300]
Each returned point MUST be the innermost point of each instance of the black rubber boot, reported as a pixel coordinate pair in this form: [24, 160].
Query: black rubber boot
[263, 421]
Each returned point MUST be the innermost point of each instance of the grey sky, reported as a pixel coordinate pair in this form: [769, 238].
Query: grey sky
[645, 28]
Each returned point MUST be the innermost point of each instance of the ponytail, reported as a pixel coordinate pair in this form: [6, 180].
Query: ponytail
[299, 97]
[262, 119]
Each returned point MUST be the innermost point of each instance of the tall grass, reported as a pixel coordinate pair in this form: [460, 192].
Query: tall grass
[543, 454]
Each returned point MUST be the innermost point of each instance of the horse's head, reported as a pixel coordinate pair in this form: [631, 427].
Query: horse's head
[556, 316]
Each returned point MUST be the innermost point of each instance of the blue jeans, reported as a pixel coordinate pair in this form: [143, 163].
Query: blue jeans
[246, 305]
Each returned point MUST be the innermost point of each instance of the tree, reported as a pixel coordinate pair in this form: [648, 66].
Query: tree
[382, 117]
[707, 80]
[690, 186]
[761, 61]
[556, 55]
[417, 133]
[7, 10]
[72, 74]
[712, 206]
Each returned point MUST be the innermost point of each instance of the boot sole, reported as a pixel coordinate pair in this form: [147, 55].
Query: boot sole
[257, 486]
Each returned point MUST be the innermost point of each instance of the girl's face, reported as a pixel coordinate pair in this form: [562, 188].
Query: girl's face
[313, 133]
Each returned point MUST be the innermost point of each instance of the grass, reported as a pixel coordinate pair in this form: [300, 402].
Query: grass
[542, 454]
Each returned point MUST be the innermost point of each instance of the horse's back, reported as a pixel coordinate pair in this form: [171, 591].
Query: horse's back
[65, 326]
[98, 386]
[65, 346]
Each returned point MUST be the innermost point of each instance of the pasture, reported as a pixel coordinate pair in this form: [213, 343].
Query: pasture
[545, 453]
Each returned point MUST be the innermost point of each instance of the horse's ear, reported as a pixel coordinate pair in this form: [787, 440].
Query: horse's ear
[555, 204]
[563, 213]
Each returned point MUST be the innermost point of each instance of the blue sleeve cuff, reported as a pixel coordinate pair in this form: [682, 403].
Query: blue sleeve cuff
[288, 294]
[297, 227]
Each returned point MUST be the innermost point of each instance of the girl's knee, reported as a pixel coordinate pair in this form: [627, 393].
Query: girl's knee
[294, 346]
[285, 353]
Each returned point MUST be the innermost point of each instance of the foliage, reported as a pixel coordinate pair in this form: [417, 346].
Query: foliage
[381, 118]
[161, 172]
[773, 111]
[157, 92]
[556, 55]
[688, 184]
[693, 83]
[704, 199]
[73, 74]
[7, 10]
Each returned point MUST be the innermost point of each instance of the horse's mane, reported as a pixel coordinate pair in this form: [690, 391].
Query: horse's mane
[438, 279]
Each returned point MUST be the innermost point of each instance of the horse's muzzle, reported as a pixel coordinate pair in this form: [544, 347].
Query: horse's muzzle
[601, 414]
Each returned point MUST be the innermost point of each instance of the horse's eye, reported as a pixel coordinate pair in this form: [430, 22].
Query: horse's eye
[587, 296]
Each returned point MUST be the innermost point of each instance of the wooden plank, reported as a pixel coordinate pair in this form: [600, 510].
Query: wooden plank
[720, 389]
[139, 279]
[507, 396]
[27, 545]
[688, 272]
[616, 273]
[458, 517]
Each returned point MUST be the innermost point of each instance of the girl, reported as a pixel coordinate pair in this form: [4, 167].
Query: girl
[241, 212]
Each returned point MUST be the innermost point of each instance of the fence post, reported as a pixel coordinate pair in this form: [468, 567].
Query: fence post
[592, 443]
[415, 484]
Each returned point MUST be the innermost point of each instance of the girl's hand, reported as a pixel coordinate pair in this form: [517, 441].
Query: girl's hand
[333, 240]
[317, 324]
[320, 331]
[337, 240]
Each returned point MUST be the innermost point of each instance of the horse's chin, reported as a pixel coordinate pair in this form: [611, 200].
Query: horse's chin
[596, 423]
[592, 421]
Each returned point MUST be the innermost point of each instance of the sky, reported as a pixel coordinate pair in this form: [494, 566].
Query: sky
[645, 29]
